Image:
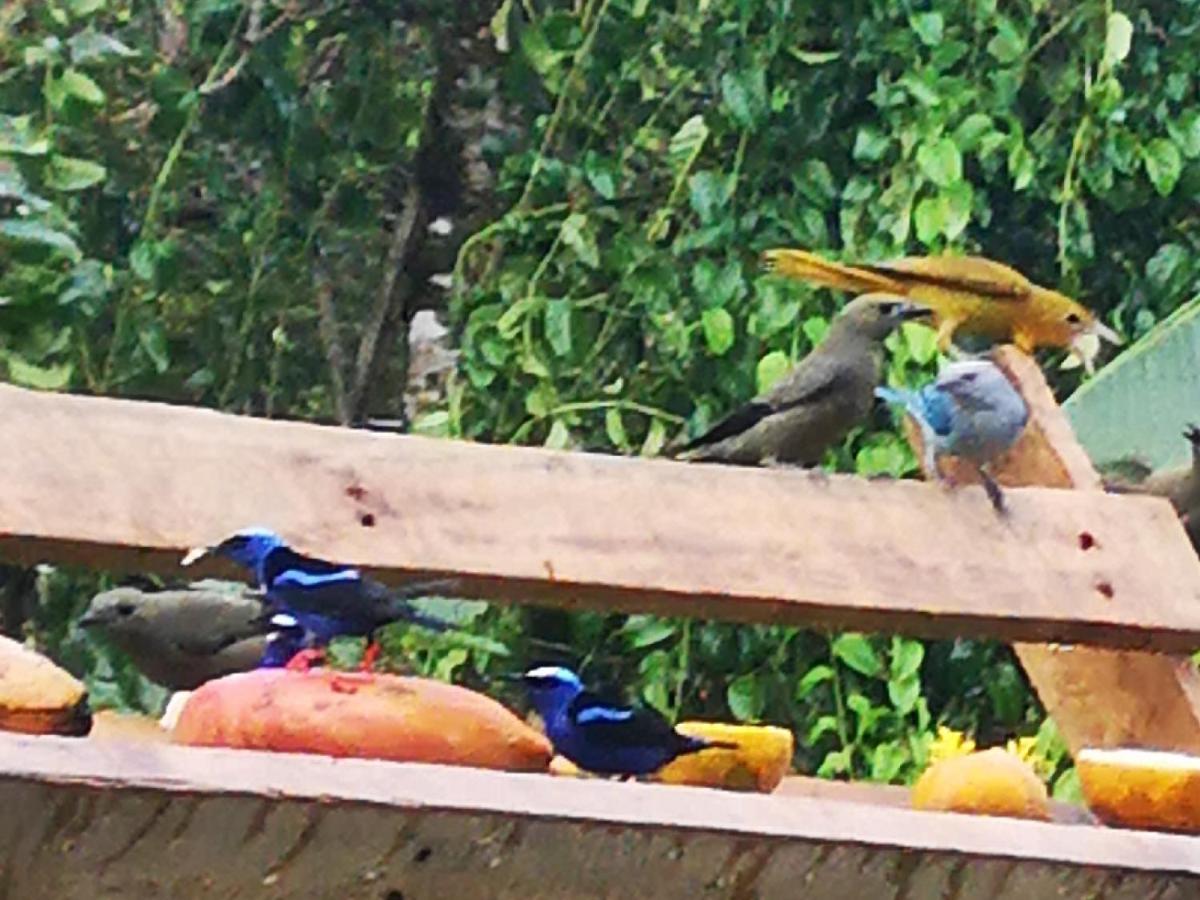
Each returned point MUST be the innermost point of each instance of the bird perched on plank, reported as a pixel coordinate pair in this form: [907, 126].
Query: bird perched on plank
[971, 411]
[183, 638]
[971, 295]
[326, 599]
[819, 401]
[1180, 485]
[601, 737]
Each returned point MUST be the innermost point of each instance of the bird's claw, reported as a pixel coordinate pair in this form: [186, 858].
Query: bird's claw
[305, 660]
[370, 657]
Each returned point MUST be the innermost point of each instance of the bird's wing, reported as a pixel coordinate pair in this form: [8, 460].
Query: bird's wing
[615, 725]
[971, 274]
[306, 584]
[202, 623]
[841, 276]
[810, 382]
[936, 408]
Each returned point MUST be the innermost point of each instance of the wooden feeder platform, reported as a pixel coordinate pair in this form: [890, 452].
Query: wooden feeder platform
[1100, 595]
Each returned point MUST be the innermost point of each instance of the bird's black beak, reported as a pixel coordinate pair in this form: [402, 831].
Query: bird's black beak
[913, 312]
[89, 619]
[195, 555]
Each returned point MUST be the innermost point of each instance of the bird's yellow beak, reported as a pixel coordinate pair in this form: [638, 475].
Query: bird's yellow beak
[194, 555]
[1104, 333]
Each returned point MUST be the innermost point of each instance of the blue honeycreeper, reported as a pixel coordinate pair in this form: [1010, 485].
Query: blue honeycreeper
[602, 737]
[971, 411]
[326, 599]
[816, 404]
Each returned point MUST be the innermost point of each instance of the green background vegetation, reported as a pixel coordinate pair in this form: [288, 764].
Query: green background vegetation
[226, 203]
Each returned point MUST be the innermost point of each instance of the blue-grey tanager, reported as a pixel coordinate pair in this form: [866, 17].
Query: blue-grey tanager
[971, 411]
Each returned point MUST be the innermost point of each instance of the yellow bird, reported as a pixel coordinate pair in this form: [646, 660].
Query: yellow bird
[970, 294]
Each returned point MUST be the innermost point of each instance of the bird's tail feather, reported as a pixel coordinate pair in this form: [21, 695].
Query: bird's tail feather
[893, 395]
[409, 613]
[809, 267]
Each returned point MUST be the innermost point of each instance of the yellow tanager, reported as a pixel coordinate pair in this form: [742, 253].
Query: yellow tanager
[971, 294]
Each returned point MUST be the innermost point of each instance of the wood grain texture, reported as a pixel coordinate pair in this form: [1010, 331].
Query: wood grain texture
[1098, 697]
[103, 819]
[124, 484]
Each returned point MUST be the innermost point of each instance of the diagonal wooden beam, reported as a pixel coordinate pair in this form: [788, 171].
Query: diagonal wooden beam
[80, 819]
[1098, 697]
[129, 485]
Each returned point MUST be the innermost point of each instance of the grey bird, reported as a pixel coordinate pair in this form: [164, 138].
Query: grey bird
[815, 405]
[1180, 484]
[183, 638]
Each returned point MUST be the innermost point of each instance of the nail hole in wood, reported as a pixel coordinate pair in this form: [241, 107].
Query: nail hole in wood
[367, 520]
[423, 854]
[1106, 589]
[1086, 540]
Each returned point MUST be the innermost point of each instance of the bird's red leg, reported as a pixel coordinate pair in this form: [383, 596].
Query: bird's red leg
[370, 656]
[305, 659]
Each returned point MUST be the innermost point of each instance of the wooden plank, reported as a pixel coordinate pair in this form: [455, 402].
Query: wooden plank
[123, 484]
[1098, 697]
[87, 819]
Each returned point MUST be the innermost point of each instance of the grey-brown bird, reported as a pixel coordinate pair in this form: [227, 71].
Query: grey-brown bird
[183, 638]
[815, 405]
[1179, 484]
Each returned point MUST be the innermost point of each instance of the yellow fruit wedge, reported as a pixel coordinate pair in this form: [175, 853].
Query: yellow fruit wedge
[37, 697]
[988, 783]
[1142, 788]
[762, 757]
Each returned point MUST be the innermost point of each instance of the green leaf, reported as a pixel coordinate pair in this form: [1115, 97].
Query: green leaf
[21, 231]
[685, 144]
[92, 46]
[1163, 164]
[747, 697]
[1008, 44]
[614, 427]
[870, 144]
[153, 340]
[814, 57]
[579, 237]
[1118, 38]
[887, 759]
[646, 631]
[836, 762]
[81, 8]
[499, 26]
[601, 174]
[940, 161]
[143, 260]
[1167, 260]
[80, 86]
[744, 94]
[772, 367]
[1021, 165]
[17, 137]
[708, 193]
[929, 27]
[931, 218]
[957, 200]
[558, 326]
[818, 674]
[656, 437]
[907, 656]
[45, 378]
[718, 330]
[856, 651]
[921, 341]
[971, 131]
[68, 173]
[1185, 132]
[559, 437]
[1140, 403]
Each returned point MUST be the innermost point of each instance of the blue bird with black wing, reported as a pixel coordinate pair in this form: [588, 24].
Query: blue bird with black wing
[970, 411]
[324, 599]
[602, 737]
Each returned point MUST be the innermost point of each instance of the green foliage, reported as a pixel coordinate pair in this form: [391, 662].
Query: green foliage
[200, 202]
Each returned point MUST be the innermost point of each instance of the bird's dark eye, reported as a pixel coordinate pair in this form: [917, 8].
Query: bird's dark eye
[970, 376]
[889, 309]
[125, 609]
[1073, 319]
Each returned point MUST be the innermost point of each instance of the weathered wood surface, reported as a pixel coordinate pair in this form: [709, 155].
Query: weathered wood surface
[104, 819]
[123, 484]
[1098, 697]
